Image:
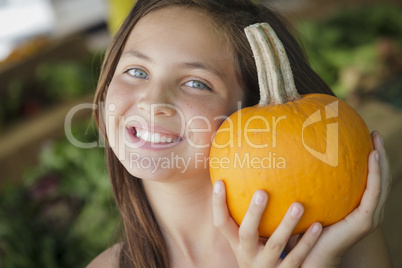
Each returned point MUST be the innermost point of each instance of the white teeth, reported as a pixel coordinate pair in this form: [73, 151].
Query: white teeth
[154, 137]
[146, 136]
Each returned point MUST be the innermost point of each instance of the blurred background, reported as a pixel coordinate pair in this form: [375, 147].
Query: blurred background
[56, 206]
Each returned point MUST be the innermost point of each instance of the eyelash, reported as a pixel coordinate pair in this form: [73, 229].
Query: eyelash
[193, 82]
[199, 83]
[137, 69]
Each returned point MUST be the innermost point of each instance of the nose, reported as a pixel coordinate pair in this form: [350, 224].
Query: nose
[155, 100]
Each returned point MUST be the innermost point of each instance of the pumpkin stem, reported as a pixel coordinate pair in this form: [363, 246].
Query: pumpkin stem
[275, 77]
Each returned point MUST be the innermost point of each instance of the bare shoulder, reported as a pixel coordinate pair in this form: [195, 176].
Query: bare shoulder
[107, 259]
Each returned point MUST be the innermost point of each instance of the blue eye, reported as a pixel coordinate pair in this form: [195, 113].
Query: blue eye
[139, 73]
[197, 84]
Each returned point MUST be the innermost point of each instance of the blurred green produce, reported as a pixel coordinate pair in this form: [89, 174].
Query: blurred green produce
[63, 215]
[348, 41]
[64, 80]
[53, 82]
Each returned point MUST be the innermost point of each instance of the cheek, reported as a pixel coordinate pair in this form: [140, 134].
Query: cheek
[118, 101]
[202, 126]
[119, 96]
[111, 111]
[114, 109]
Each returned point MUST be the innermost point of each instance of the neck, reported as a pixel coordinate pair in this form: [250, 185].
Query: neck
[183, 210]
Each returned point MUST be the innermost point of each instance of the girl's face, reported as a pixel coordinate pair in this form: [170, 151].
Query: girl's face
[173, 86]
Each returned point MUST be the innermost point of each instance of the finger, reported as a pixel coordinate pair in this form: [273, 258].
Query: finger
[248, 232]
[371, 195]
[386, 178]
[277, 242]
[222, 219]
[303, 247]
[361, 220]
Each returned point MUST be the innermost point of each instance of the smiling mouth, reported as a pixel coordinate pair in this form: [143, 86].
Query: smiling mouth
[154, 137]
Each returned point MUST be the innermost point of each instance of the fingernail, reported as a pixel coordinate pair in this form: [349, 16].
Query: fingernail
[295, 211]
[217, 188]
[376, 156]
[316, 228]
[259, 199]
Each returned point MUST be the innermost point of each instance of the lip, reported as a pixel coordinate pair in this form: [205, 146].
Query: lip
[131, 131]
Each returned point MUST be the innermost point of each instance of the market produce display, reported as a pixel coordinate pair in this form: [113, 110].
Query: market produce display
[62, 214]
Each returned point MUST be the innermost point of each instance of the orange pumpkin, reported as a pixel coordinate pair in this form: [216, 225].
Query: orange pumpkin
[311, 149]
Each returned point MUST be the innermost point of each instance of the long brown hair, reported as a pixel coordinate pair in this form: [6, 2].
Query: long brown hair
[144, 245]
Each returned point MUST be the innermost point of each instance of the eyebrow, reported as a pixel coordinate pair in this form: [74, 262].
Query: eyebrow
[201, 66]
[136, 54]
[184, 65]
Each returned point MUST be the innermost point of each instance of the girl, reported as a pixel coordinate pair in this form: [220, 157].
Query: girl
[173, 72]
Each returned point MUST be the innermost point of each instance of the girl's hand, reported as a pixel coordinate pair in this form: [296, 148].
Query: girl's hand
[338, 238]
[250, 250]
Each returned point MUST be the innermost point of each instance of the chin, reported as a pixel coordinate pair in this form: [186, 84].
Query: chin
[152, 172]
